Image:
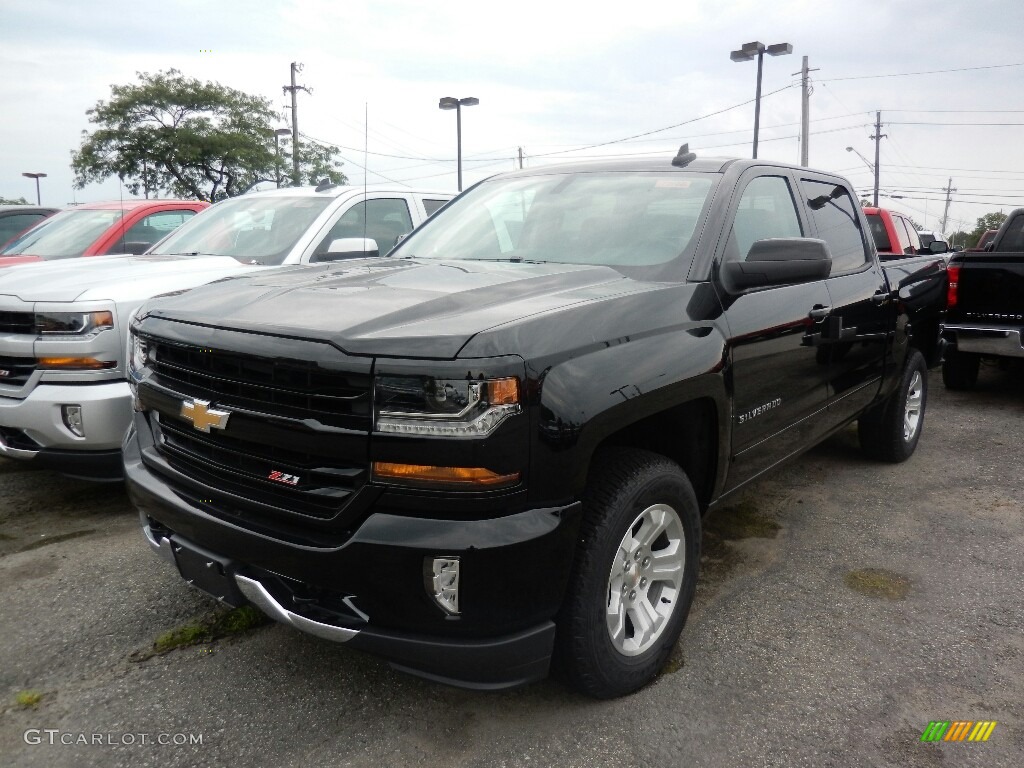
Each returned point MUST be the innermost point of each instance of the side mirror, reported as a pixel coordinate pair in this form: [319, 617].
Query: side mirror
[348, 248]
[780, 261]
[938, 246]
[957, 248]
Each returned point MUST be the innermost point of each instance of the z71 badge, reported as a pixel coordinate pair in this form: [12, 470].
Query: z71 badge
[281, 477]
[753, 413]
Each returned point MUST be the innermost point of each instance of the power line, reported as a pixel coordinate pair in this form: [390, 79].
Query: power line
[926, 72]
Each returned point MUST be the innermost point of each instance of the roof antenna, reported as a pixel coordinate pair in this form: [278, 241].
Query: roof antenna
[683, 157]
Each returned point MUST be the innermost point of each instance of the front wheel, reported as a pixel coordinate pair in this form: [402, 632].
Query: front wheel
[891, 430]
[634, 576]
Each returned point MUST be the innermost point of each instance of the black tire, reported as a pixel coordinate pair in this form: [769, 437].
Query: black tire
[959, 370]
[885, 431]
[625, 488]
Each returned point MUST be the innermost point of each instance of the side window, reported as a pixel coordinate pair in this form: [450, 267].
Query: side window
[1013, 236]
[835, 218]
[384, 220]
[901, 234]
[432, 206]
[16, 224]
[766, 209]
[879, 232]
[913, 240]
[149, 230]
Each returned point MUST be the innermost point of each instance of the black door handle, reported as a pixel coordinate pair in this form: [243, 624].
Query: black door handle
[880, 297]
[819, 312]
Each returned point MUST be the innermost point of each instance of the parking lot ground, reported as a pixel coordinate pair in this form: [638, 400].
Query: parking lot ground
[890, 596]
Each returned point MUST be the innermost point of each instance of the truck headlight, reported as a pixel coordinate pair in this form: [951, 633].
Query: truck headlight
[73, 323]
[141, 354]
[426, 406]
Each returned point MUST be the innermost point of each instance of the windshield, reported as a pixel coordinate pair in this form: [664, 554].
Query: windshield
[254, 230]
[64, 235]
[622, 220]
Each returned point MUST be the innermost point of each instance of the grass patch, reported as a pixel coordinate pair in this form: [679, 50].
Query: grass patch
[878, 582]
[208, 629]
[28, 699]
[741, 521]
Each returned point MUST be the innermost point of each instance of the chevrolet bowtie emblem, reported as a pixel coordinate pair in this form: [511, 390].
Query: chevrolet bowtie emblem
[202, 416]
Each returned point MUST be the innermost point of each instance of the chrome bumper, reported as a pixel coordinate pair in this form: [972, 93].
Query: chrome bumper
[986, 340]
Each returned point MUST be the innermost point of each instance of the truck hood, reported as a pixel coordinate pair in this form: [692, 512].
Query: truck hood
[115, 278]
[394, 307]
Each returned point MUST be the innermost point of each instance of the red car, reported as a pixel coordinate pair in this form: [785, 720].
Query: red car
[99, 229]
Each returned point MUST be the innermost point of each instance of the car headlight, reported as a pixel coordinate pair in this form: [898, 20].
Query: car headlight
[426, 406]
[73, 323]
[142, 352]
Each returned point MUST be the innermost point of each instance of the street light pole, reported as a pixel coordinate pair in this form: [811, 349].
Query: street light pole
[277, 152]
[37, 177]
[748, 52]
[449, 102]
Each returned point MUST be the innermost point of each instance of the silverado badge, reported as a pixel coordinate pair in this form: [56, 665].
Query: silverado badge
[202, 416]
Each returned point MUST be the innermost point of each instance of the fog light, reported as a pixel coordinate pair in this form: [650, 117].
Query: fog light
[72, 415]
[444, 586]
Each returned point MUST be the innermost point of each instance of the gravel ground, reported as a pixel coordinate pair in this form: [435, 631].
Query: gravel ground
[783, 662]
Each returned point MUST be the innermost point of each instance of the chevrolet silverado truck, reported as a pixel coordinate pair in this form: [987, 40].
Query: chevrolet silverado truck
[985, 306]
[64, 399]
[494, 446]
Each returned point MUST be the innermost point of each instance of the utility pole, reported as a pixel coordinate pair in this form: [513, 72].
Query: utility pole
[878, 142]
[293, 89]
[805, 112]
[950, 189]
[520, 158]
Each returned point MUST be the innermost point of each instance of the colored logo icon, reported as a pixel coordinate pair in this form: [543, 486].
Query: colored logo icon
[958, 730]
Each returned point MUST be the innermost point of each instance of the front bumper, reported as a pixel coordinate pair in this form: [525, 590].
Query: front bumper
[986, 340]
[32, 428]
[370, 591]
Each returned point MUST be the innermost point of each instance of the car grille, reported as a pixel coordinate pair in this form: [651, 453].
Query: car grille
[293, 388]
[17, 322]
[16, 371]
[322, 485]
[295, 446]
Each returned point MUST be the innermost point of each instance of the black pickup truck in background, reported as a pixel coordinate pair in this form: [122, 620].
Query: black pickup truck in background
[494, 446]
[985, 308]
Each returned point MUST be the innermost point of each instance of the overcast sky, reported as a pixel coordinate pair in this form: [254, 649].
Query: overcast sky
[553, 78]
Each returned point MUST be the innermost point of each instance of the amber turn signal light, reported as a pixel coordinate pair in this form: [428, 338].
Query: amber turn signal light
[503, 391]
[422, 474]
[75, 363]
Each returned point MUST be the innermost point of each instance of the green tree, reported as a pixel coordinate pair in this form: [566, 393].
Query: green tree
[989, 221]
[198, 140]
[12, 201]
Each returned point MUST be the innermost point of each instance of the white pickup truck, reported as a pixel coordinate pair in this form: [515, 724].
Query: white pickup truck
[64, 400]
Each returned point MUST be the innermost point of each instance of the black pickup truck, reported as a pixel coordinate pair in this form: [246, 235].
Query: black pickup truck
[494, 446]
[985, 308]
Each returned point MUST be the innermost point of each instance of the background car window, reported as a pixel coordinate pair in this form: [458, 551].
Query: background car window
[909, 243]
[149, 230]
[766, 209]
[64, 235]
[1013, 237]
[879, 233]
[384, 220]
[835, 219]
[254, 230]
[17, 223]
[432, 206]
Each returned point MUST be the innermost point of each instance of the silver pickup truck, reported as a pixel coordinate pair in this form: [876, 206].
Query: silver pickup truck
[64, 401]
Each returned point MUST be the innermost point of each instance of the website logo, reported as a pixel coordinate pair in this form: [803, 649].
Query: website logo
[958, 730]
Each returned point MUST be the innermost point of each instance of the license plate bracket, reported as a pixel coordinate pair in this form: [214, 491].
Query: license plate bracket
[207, 571]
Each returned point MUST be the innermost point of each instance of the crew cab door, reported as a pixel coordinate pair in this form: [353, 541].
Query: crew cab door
[778, 376]
[382, 217]
[856, 330]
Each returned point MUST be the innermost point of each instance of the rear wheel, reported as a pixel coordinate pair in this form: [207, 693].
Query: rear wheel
[634, 576]
[890, 431]
[960, 370]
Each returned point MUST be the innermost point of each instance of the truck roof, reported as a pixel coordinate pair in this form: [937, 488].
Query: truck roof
[341, 189]
[662, 163]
